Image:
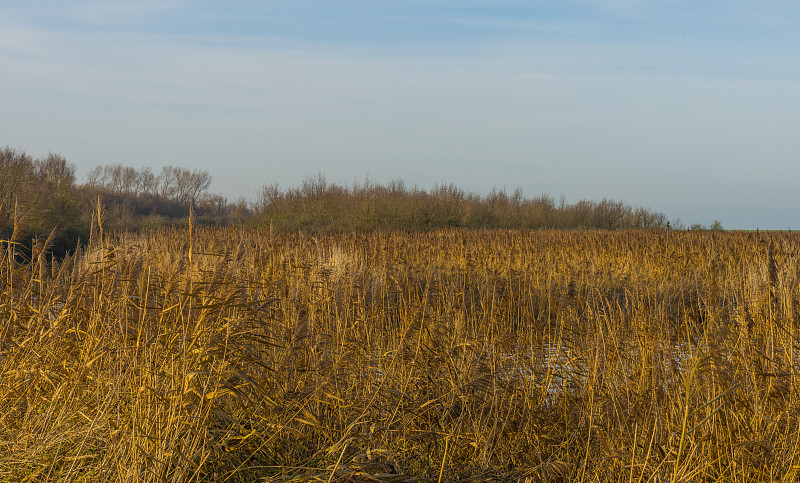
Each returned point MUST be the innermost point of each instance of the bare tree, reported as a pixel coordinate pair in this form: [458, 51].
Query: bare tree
[95, 177]
[182, 184]
[123, 179]
[114, 177]
[16, 169]
[56, 172]
[213, 204]
[146, 181]
[129, 180]
[167, 181]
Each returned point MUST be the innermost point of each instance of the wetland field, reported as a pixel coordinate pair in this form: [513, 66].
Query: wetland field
[225, 354]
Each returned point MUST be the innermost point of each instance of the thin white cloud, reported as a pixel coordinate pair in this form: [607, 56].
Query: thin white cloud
[623, 7]
[117, 12]
[535, 76]
[100, 13]
[23, 41]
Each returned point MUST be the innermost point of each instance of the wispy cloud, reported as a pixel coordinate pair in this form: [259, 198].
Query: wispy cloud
[109, 13]
[71, 15]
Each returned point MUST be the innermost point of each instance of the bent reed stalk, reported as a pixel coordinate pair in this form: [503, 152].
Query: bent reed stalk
[447, 356]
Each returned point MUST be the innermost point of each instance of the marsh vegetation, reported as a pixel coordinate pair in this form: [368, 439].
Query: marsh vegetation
[224, 354]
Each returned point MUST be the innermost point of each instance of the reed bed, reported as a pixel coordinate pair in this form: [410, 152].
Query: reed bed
[208, 354]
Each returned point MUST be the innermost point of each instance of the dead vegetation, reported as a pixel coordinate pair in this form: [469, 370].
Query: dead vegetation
[230, 355]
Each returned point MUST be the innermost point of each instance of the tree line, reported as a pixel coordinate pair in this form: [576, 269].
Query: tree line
[322, 206]
[40, 196]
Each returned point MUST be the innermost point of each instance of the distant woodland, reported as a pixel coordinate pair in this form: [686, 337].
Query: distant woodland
[41, 198]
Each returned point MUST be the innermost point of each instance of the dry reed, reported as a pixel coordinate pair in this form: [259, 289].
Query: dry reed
[231, 355]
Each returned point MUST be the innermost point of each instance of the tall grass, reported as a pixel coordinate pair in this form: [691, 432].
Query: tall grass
[450, 355]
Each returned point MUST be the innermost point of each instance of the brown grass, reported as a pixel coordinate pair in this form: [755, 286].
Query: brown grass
[453, 355]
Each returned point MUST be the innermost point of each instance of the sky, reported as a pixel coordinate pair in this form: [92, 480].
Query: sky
[690, 108]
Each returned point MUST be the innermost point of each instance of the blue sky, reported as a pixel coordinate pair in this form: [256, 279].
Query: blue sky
[685, 107]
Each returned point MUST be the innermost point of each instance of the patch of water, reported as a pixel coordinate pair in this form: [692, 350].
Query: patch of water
[560, 368]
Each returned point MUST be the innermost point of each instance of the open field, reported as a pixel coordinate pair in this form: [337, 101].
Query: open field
[233, 355]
